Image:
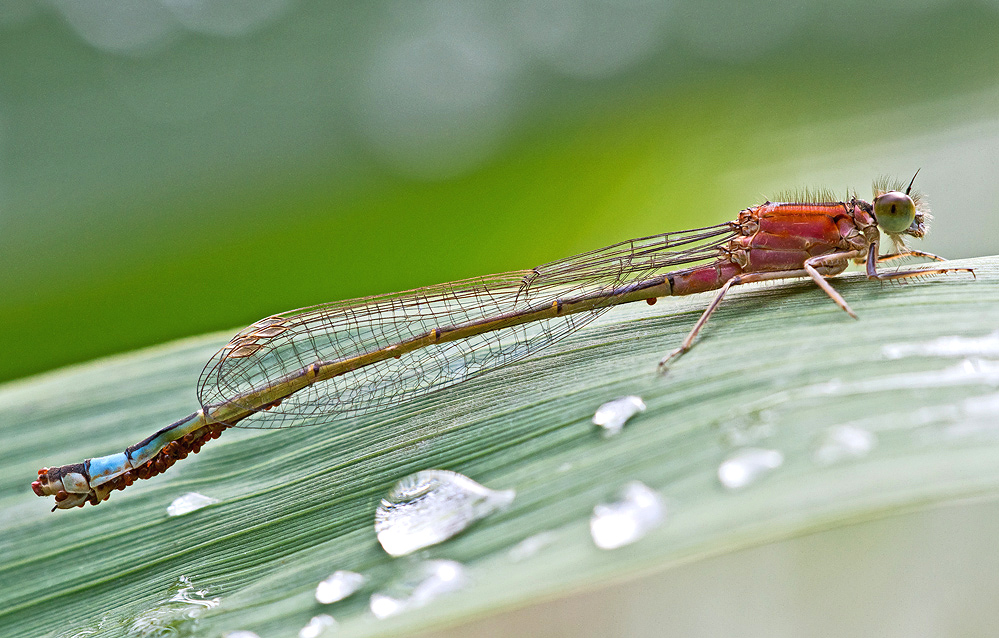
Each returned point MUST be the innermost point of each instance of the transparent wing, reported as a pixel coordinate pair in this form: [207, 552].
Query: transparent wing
[278, 346]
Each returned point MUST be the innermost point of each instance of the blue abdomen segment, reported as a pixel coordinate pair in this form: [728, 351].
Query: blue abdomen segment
[104, 468]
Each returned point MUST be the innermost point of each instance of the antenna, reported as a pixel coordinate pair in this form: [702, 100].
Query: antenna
[913, 180]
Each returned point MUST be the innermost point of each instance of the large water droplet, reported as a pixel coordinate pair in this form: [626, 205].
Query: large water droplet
[844, 442]
[612, 415]
[338, 586]
[320, 625]
[639, 511]
[425, 582]
[744, 466]
[431, 506]
[188, 503]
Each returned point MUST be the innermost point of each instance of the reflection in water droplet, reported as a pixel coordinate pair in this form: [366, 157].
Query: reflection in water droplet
[844, 442]
[320, 625]
[188, 503]
[428, 507]
[612, 415]
[639, 511]
[422, 584]
[744, 466]
[953, 346]
[176, 616]
[531, 546]
[338, 586]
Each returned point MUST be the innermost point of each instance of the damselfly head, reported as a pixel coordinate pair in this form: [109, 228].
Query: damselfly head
[899, 210]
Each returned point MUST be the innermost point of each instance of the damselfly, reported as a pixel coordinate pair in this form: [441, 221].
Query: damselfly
[359, 356]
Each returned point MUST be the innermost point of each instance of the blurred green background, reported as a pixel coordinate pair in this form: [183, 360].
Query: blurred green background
[171, 167]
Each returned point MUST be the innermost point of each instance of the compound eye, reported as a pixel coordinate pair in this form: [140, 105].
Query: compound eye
[894, 212]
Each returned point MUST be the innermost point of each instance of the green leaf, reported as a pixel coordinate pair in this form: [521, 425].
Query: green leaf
[777, 367]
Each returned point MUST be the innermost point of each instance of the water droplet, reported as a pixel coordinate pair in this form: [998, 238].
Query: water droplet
[338, 586]
[748, 428]
[188, 503]
[431, 506]
[639, 511]
[974, 419]
[318, 626]
[744, 466]
[531, 546]
[176, 615]
[104, 625]
[964, 373]
[612, 415]
[844, 442]
[831, 387]
[425, 582]
[951, 346]
[985, 406]
[240, 633]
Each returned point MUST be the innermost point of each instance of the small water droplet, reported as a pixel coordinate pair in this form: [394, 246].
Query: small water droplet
[982, 406]
[740, 430]
[431, 506]
[338, 586]
[744, 466]
[422, 584]
[240, 633]
[176, 616]
[531, 546]
[949, 346]
[974, 419]
[844, 442]
[102, 628]
[639, 511]
[833, 386]
[188, 503]
[320, 625]
[612, 415]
